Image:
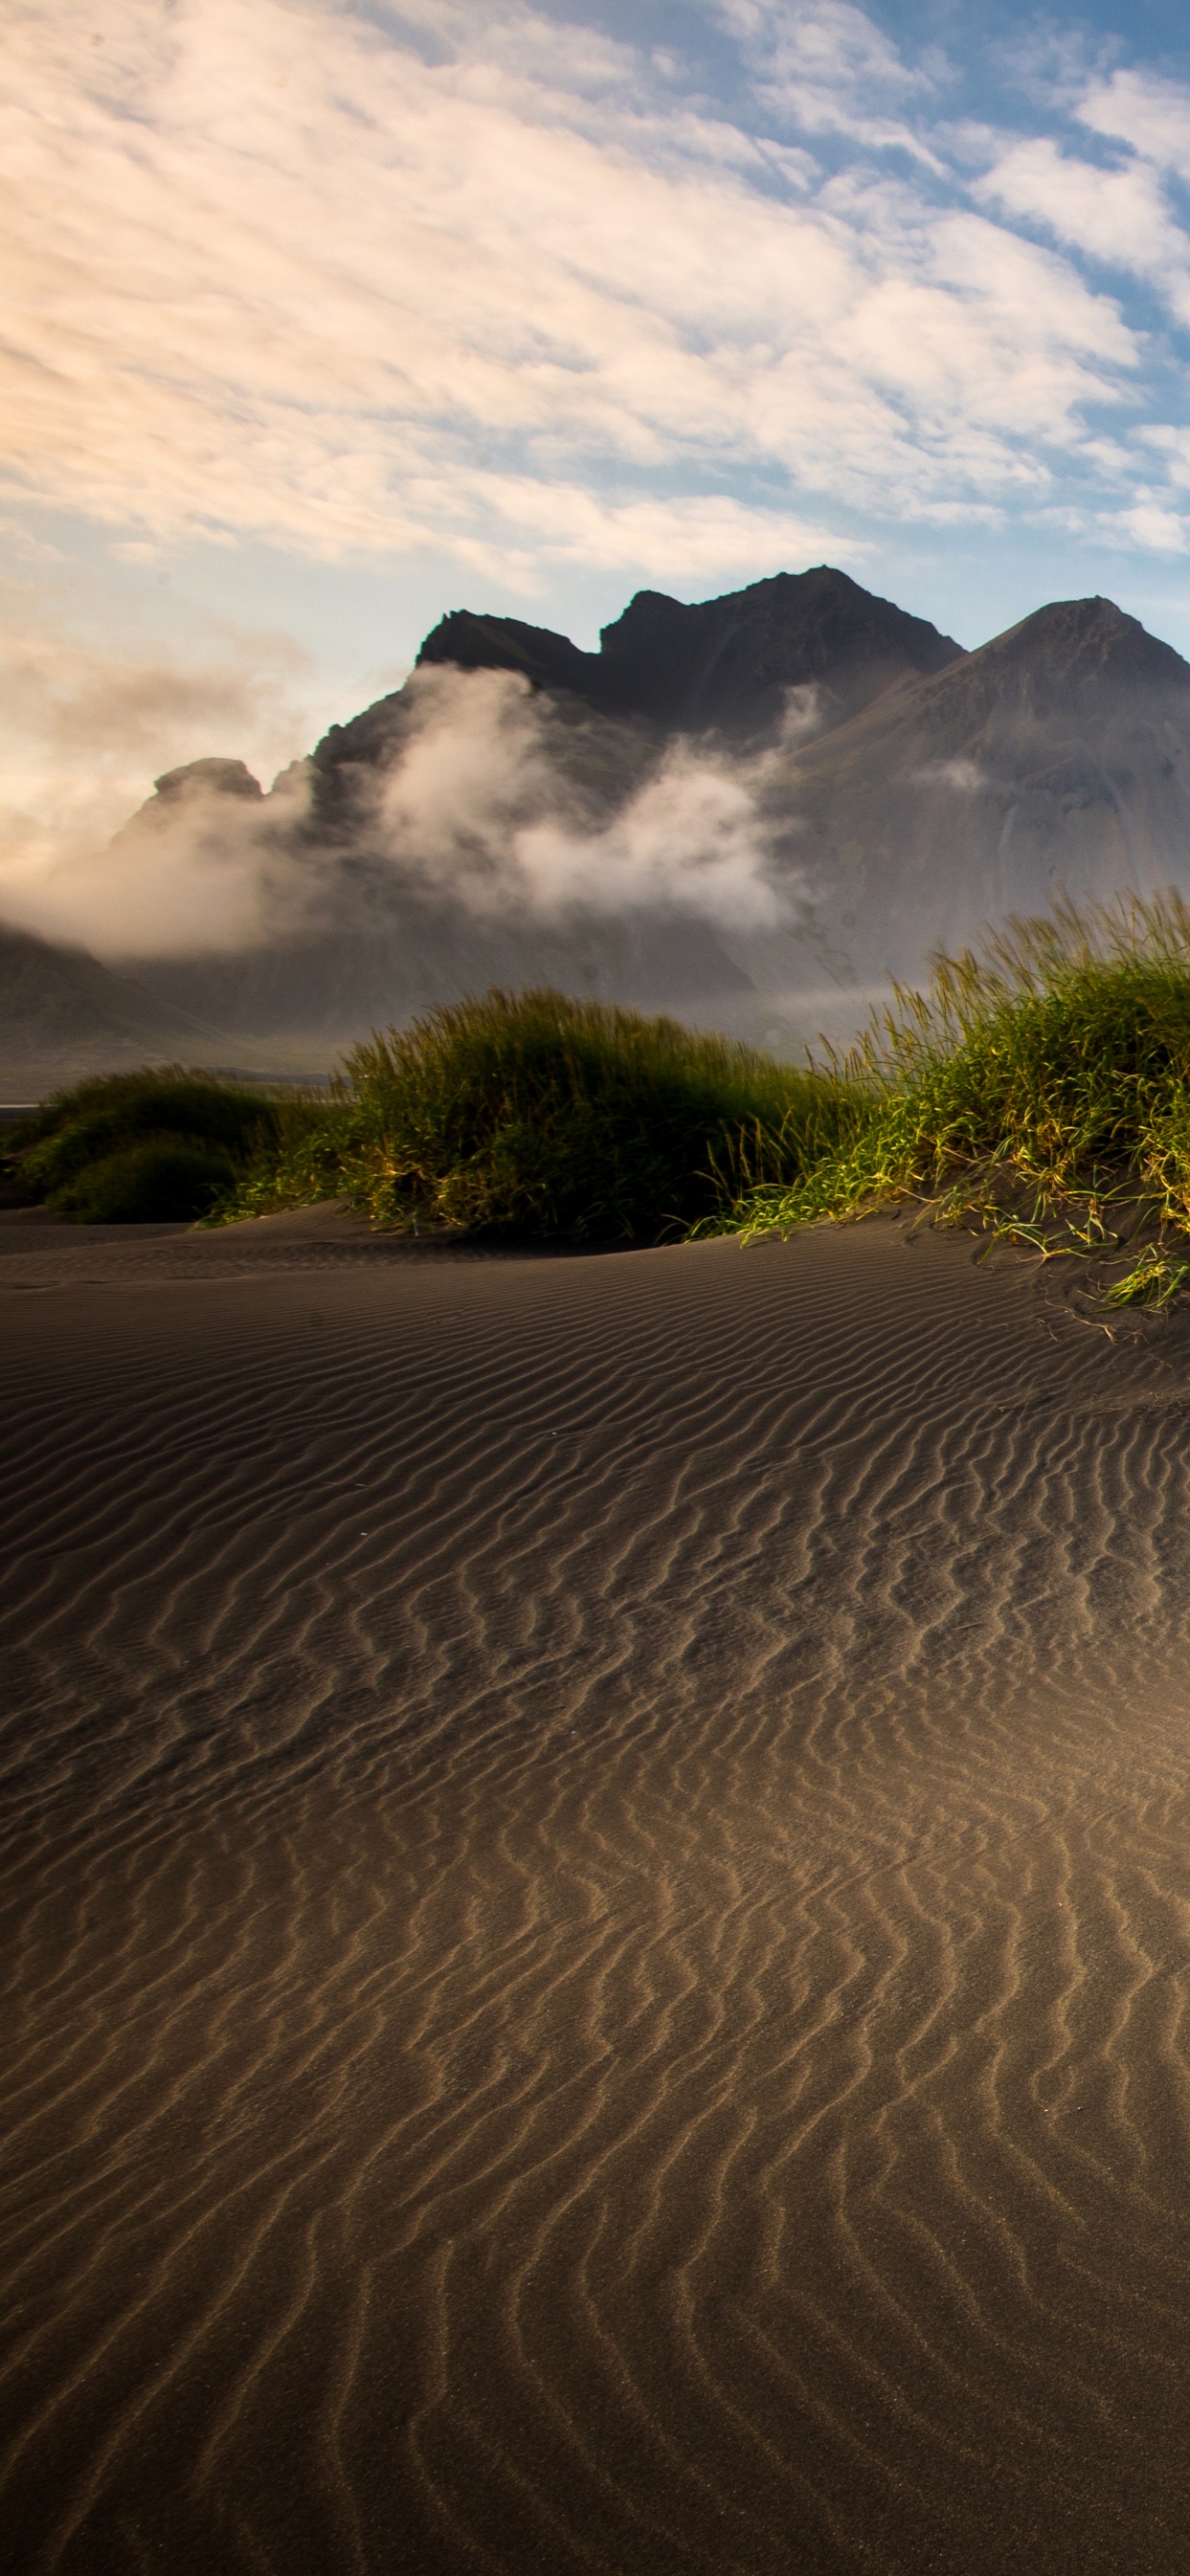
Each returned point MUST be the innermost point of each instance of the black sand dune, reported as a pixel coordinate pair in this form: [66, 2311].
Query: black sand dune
[597, 1913]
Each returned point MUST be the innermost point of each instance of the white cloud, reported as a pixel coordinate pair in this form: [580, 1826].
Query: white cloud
[1120, 217]
[1143, 109]
[83, 731]
[988, 333]
[482, 804]
[278, 270]
[690, 539]
[200, 872]
[478, 804]
[1148, 523]
[1172, 444]
[962, 777]
[828, 70]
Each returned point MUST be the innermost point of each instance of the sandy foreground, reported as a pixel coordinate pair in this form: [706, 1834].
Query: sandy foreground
[596, 1900]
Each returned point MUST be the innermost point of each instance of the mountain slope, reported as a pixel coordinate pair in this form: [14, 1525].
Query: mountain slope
[1057, 756]
[63, 1015]
[408, 953]
[398, 938]
[69, 999]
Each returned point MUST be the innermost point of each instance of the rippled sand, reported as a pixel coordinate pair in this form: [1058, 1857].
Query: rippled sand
[596, 1912]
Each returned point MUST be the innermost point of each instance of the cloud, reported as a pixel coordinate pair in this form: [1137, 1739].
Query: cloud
[1145, 110]
[699, 538]
[828, 70]
[962, 777]
[1118, 216]
[489, 803]
[1149, 523]
[200, 871]
[289, 269]
[84, 729]
[481, 803]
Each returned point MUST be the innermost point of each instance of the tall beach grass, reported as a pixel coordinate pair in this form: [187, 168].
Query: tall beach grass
[162, 1144]
[1040, 1089]
[534, 1116]
[1043, 1086]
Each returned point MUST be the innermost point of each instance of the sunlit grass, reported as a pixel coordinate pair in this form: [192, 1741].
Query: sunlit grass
[1040, 1092]
[532, 1115]
[1042, 1089]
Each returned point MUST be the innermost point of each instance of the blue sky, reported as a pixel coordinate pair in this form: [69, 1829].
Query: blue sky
[325, 317]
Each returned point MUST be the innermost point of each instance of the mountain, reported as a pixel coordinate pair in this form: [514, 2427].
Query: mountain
[724, 668]
[938, 789]
[1055, 757]
[723, 665]
[900, 792]
[390, 939]
[403, 953]
[395, 942]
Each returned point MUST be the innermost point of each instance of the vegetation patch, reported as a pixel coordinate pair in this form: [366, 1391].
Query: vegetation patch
[1042, 1090]
[1039, 1092]
[157, 1146]
[531, 1115]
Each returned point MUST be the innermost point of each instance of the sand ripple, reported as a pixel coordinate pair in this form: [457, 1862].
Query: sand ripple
[596, 1915]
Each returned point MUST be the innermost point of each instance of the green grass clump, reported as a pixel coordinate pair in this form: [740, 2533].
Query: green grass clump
[158, 1145]
[1049, 1078]
[530, 1115]
[1152, 1281]
[1043, 1087]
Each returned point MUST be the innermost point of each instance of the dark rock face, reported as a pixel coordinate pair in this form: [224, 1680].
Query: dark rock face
[212, 777]
[601, 756]
[1074, 649]
[729, 663]
[549, 661]
[724, 665]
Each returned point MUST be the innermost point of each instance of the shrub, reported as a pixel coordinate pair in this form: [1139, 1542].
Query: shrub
[531, 1115]
[127, 1148]
[162, 1180]
[1055, 1069]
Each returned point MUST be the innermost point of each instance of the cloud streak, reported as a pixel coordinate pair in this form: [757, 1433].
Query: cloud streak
[475, 277]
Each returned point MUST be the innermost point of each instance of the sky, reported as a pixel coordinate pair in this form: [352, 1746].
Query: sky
[323, 318]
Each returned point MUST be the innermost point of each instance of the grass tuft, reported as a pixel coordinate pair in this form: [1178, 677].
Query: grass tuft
[1043, 1088]
[530, 1115]
[159, 1145]
[1152, 1281]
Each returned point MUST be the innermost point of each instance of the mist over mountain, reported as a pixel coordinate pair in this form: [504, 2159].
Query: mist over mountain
[63, 1015]
[751, 811]
[616, 822]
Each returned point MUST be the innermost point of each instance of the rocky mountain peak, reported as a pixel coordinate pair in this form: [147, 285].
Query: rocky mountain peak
[221, 777]
[718, 665]
[1081, 643]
